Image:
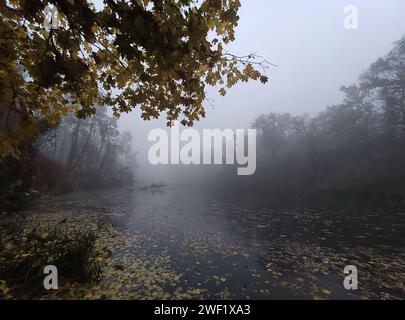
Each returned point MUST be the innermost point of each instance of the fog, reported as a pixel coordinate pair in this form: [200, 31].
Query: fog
[315, 55]
[292, 188]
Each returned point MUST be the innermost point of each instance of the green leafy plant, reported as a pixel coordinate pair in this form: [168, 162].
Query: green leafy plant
[25, 252]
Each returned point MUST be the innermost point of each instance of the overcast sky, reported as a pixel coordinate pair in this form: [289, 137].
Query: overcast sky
[315, 55]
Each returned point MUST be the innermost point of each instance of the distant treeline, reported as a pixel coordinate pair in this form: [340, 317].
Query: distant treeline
[357, 146]
[90, 153]
[74, 154]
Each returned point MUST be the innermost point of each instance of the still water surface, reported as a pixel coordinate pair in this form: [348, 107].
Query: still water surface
[237, 246]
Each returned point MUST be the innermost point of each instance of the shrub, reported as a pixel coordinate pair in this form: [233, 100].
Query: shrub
[25, 252]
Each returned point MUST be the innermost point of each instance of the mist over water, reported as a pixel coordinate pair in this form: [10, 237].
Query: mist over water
[315, 55]
[324, 139]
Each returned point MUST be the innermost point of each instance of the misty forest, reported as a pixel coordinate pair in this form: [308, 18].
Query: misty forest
[328, 190]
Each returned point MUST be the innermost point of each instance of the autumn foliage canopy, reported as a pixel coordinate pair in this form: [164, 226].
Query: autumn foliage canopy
[158, 55]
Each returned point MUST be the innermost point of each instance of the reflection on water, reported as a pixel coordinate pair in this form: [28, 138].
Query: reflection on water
[236, 246]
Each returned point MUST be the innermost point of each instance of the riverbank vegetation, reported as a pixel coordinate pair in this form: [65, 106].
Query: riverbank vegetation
[77, 154]
[354, 148]
[26, 247]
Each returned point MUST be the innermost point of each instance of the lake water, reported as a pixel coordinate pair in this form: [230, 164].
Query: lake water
[233, 245]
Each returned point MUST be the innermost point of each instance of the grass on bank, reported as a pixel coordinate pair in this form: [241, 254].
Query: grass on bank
[25, 251]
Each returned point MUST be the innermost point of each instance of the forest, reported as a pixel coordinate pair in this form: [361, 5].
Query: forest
[354, 147]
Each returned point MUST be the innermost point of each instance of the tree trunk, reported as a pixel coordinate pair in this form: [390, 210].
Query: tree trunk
[73, 146]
